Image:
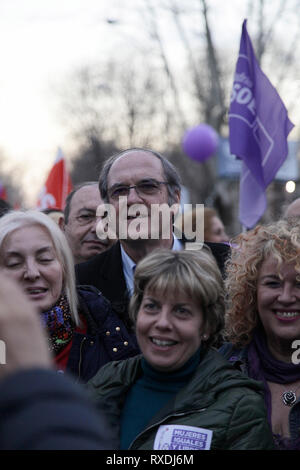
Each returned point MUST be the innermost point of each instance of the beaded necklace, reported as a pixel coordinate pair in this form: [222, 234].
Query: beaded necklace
[59, 325]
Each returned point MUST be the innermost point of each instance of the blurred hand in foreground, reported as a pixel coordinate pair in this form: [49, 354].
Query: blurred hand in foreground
[21, 331]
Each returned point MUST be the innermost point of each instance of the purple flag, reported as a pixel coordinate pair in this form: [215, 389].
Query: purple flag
[258, 130]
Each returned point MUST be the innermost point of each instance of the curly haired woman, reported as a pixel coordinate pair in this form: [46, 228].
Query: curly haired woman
[263, 320]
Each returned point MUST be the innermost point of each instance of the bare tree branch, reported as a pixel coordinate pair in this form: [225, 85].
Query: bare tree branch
[197, 80]
[216, 114]
[265, 34]
[155, 34]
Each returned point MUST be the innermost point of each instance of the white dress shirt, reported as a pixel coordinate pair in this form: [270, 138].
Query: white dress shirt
[129, 265]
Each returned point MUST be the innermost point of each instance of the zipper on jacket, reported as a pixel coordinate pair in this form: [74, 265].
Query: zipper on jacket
[163, 420]
[80, 357]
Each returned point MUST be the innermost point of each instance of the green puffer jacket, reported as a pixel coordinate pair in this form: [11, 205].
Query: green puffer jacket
[218, 398]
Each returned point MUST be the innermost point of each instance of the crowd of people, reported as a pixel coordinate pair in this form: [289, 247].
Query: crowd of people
[105, 311]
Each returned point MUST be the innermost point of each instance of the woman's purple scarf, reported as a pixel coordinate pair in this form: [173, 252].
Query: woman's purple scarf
[264, 367]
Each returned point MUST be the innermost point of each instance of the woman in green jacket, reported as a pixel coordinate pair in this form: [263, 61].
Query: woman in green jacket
[180, 393]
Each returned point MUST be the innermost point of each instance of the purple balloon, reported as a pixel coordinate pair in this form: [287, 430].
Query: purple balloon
[200, 142]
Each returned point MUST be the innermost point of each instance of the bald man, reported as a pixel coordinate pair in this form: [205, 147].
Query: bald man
[80, 222]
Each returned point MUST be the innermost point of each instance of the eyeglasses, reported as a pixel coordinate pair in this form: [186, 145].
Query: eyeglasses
[143, 189]
[85, 219]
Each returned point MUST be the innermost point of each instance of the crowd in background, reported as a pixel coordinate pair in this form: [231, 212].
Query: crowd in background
[205, 334]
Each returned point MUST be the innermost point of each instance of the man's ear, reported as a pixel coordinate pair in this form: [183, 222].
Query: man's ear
[176, 204]
[177, 196]
[61, 223]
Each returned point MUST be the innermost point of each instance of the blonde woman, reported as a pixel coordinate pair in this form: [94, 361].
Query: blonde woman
[83, 331]
[180, 393]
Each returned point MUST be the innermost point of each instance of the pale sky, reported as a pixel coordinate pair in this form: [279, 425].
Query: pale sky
[41, 42]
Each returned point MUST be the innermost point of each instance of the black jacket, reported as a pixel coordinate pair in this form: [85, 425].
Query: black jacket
[105, 271]
[106, 339]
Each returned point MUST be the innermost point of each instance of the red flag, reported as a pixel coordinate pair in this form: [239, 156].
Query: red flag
[57, 186]
[3, 194]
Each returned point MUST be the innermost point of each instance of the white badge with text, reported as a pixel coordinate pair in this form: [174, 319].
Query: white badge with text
[178, 437]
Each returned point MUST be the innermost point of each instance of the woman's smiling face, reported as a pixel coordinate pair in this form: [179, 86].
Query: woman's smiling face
[168, 329]
[28, 256]
[278, 302]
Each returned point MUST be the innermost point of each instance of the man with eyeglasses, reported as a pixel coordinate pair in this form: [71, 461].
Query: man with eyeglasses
[80, 221]
[133, 182]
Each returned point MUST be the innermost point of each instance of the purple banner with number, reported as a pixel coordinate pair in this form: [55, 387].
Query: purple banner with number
[258, 130]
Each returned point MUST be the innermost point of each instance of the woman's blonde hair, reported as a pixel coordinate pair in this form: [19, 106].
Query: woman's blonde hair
[194, 274]
[18, 219]
[249, 250]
